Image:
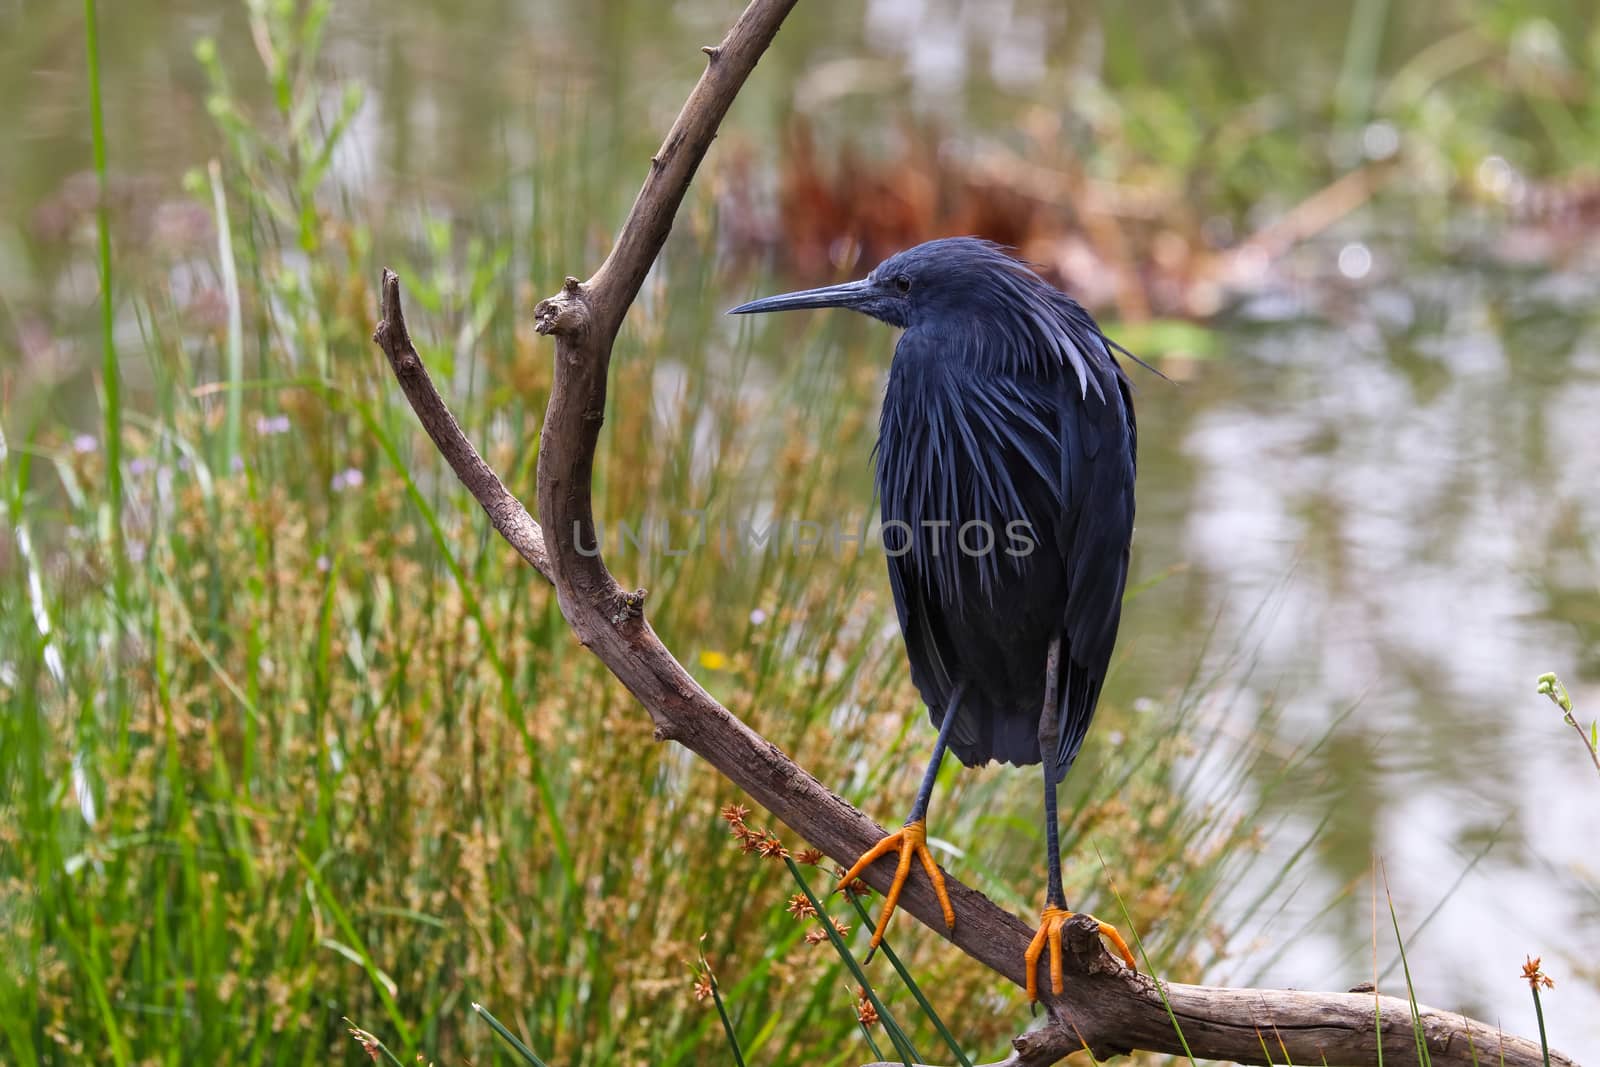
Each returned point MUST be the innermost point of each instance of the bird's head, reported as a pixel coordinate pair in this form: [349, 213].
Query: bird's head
[952, 274]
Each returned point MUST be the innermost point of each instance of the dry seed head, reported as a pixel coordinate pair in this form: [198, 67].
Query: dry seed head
[367, 1042]
[1534, 976]
[865, 1012]
[855, 887]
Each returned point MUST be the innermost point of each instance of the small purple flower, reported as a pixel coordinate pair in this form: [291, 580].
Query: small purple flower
[267, 425]
[84, 443]
[140, 465]
[237, 464]
[323, 564]
[349, 478]
[757, 617]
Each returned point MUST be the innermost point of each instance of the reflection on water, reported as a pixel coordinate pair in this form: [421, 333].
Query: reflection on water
[1385, 485]
[1397, 485]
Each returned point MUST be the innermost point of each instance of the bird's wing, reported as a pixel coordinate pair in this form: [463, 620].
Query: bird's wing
[916, 460]
[926, 640]
[1098, 446]
[927, 645]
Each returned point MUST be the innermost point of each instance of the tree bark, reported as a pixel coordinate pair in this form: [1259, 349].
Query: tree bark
[1106, 1008]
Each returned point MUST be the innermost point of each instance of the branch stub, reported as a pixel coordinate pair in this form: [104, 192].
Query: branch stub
[565, 315]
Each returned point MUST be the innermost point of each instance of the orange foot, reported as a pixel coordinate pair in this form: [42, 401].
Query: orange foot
[910, 838]
[1050, 924]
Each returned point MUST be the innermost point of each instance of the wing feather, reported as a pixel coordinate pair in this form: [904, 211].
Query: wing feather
[1045, 441]
[1099, 516]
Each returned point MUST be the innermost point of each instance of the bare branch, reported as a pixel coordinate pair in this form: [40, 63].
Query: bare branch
[505, 511]
[1106, 1008]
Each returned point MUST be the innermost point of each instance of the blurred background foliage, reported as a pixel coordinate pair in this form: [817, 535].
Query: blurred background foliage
[288, 737]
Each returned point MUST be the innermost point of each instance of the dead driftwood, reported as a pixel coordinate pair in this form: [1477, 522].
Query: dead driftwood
[1106, 1009]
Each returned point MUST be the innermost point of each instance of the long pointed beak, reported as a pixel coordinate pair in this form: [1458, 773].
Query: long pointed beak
[848, 295]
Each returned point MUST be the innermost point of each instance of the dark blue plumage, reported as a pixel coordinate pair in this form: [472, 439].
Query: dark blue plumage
[1004, 408]
[1005, 471]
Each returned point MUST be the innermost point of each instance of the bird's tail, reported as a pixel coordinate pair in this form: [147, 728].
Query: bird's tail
[983, 732]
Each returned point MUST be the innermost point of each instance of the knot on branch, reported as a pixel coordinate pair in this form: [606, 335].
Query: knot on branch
[629, 606]
[1074, 1022]
[566, 314]
[1054, 1042]
[1088, 952]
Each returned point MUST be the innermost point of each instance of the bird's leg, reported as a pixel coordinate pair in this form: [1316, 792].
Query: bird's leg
[912, 840]
[1049, 753]
[1055, 914]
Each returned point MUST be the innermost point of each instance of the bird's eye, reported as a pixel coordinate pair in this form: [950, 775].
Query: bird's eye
[903, 283]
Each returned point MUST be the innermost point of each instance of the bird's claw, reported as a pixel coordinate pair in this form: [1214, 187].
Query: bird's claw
[911, 839]
[1051, 923]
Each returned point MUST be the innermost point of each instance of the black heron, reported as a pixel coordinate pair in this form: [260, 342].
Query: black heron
[1005, 469]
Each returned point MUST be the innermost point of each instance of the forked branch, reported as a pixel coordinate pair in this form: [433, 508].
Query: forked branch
[1105, 1008]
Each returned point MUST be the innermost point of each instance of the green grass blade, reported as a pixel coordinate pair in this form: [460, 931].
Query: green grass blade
[902, 1044]
[230, 289]
[916, 990]
[507, 1036]
[1138, 946]
[108, 348]
[380, 981]
[1538, 1010]
[877, 1053]
[1423, 1056]
[727, 1023]
[117, 1043]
